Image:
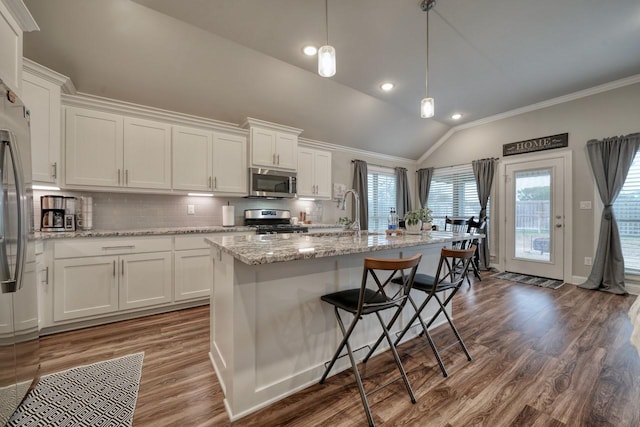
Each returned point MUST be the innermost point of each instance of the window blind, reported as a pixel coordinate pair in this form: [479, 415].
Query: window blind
[627, 211]
[381, 196]
[453, 193]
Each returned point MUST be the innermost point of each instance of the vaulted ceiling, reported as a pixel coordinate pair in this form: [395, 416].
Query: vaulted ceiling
[229, 59]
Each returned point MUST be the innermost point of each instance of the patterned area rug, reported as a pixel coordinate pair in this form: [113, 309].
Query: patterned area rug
[543, 282]
[101, 394]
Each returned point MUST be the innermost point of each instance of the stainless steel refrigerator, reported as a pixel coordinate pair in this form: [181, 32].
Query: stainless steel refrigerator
[19, 336]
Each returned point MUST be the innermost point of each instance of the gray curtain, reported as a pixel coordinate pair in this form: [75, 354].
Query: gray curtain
[424, 183]
[610, 161]
[360, 185]
[484, 170]
[403, 198]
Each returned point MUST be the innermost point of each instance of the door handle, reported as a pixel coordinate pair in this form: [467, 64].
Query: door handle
[558, 225]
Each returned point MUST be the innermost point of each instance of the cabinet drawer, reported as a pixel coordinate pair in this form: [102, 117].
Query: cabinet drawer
[191, 242]
[110, 246]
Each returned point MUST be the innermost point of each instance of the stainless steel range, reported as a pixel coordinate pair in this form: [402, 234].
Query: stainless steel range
[272, 221]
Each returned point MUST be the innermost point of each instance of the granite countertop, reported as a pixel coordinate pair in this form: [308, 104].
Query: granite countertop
[45, 235]
[266, 249]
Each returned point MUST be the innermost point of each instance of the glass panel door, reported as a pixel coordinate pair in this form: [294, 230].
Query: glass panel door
[533, 214]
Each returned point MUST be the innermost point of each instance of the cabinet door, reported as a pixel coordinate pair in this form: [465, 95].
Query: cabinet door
[42, 98]
[93, 148]
[229, 163]
[145, 279]
[85, 287]
[194, 274]
[263, 143]
[192, 156]
[322, 174]
[147, 154]
[286, 151]
[305, 182]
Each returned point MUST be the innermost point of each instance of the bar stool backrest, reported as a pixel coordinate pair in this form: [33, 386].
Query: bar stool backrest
[455, 225]
[452, 267]
[389, 268]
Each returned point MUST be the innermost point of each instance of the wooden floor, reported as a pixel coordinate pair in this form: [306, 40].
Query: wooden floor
[541, 358]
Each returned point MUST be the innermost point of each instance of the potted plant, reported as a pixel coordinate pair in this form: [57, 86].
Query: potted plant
[418, 219]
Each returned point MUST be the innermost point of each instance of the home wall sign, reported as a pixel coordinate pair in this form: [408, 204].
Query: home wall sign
[537, 144]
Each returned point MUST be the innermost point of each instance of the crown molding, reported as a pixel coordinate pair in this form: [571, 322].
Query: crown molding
[627, 81]
[250, 121]
[22, 15]
[312, 143]
[84, 100]
[49, 75]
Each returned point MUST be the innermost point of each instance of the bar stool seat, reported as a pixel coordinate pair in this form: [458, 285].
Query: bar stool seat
[364, 301]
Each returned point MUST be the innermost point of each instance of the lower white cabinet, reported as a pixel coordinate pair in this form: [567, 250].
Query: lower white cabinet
[145, 280]
[194, 274]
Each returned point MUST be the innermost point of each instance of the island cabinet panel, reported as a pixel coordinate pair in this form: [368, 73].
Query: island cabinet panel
[271, 335]
[194, 273]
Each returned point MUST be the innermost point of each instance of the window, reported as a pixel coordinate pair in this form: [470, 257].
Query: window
[627, 211]
[381, 184]
[453, 193]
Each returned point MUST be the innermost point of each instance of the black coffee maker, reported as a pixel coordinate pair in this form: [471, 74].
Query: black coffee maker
[52, 216]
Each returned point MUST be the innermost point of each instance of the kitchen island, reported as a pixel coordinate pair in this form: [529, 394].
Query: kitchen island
[270, 333]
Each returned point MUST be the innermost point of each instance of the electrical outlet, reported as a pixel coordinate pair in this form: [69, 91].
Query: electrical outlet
[191, 209]
[585, 204]
[588, 260]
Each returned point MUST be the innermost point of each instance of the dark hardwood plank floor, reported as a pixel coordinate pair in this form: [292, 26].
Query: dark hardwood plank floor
[542, 357]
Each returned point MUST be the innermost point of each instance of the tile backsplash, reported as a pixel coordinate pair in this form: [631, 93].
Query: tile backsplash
[126, 211]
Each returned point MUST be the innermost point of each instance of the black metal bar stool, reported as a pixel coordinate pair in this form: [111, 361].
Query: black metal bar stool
[452, 269]
[364, 300]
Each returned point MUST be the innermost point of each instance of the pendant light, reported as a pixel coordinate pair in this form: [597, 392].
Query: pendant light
[327, 53]
[427, 105]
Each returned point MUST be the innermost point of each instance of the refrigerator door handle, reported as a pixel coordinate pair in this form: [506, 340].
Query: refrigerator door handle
[15, 283]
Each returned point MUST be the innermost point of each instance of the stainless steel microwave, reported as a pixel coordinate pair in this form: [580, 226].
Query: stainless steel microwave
[272, 183]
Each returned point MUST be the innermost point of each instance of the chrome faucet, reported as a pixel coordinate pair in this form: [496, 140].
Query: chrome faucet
[355, 225]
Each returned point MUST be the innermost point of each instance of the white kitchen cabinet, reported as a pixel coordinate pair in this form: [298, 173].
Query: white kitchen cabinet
[230, 173]
[192, 158]
[85, 287]
[109, 150]
[41, 90]
[14, 20]
[314, 173]
[93, 148]
[193, 274]
[147, 154]
[145, 280]
[209, 161]
[272, 145]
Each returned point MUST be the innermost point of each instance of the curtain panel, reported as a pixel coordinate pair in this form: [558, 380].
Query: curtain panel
[424, 183]
[610, 160]
[403, 197]
[484, 171]
[360, 185]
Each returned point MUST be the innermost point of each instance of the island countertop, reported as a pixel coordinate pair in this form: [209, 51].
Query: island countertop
[267, 249]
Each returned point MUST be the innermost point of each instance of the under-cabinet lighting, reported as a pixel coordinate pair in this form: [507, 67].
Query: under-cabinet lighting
[307, 199]
[200, 194]
[46, 187]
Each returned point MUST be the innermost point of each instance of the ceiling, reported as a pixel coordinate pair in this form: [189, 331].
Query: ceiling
[238, 58]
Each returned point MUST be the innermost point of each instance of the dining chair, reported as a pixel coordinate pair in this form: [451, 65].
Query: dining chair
[382, 295]
[476, 228]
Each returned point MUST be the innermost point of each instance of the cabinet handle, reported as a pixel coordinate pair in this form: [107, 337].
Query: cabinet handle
[119, 247]
[114, 268]
[46, 275]
[274, 159]
[209, 186]
[126, 177]
[278, 157]
[215, 182]
[54, 168]
[118, 176]
[122, 267]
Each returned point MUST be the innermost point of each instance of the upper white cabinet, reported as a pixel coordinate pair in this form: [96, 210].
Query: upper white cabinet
[314, 173]
[109, 150]
[41, 89]
[147, 154]
[272, 145]
[14, 20]
[209, 161]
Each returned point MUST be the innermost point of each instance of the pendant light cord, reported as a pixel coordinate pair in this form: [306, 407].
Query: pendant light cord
[426, 74]
[326, 18]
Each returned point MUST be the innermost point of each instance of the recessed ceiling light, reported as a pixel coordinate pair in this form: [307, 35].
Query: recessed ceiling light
[456, 116]
[309, 50]
[387, 86]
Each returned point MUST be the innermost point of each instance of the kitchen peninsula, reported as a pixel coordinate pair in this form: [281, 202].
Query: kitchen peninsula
[270, 333]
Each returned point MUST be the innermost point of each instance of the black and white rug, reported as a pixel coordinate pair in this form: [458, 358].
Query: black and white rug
[101, 394]
[543, 282]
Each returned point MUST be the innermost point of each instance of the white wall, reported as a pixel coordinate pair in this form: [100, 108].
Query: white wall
[616, 112]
